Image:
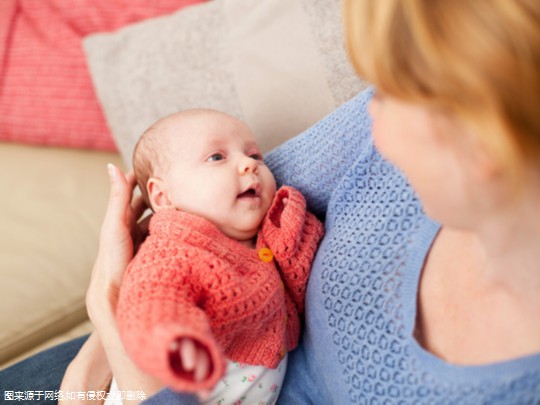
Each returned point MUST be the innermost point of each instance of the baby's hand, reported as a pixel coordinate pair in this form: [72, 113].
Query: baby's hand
[190, 360]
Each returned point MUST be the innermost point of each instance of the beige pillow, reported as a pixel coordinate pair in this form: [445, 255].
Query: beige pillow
[51, 212]
[80, 329]
[280, 65]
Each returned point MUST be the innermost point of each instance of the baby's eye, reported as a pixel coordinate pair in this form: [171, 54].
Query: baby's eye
[215, 157]
[256, 156]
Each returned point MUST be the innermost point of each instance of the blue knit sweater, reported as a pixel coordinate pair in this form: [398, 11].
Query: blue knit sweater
[358, 345]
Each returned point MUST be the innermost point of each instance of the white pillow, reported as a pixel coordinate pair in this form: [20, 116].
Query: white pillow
[280, 65]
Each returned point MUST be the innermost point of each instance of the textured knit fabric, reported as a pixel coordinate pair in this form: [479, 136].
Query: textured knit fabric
[358, 345]
[46, 94]
[190, 280]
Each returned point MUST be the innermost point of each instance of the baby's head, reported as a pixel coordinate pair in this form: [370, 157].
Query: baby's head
[206, 163]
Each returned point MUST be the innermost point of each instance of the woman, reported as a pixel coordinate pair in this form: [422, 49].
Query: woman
[425, 287]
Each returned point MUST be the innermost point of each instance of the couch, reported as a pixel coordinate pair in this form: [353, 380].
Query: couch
[280, 65]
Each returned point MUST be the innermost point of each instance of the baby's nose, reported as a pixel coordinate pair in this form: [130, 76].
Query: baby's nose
[248, 165]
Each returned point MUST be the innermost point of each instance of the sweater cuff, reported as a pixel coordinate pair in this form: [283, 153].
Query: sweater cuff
[283, 225]
[163, 363]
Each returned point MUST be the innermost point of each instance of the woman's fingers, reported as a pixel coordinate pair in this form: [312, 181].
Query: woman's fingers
[119, 198]
[116, 240]
[138, 205]
[120, 193]
[130, 179]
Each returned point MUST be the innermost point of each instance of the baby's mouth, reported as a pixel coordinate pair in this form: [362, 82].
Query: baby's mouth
[248, 194]
[252, 191]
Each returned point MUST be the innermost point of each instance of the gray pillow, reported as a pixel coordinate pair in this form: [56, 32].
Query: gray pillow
[279, 65]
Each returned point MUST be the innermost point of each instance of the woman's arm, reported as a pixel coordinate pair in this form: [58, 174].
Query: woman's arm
[315, 161]
[119, 237]
[89, 370]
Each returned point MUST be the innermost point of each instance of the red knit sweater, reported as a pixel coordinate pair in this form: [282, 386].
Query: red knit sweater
[190, 280]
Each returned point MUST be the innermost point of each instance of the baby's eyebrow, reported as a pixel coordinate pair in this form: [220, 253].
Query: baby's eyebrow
[251, 145]
[214, 141]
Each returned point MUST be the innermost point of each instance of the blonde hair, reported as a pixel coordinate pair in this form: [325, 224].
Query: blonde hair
[479, 60]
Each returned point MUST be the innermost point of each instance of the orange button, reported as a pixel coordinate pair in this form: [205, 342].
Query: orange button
[266, 255]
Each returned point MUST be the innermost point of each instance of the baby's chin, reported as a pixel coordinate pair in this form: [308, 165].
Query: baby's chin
[245, 236]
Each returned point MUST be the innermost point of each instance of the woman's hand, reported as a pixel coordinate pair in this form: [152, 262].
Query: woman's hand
[89, 370]
[120, 237]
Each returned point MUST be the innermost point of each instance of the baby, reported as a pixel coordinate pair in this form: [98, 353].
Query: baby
[213, 298]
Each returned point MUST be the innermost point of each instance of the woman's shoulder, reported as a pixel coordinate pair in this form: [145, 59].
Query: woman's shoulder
[340, 132]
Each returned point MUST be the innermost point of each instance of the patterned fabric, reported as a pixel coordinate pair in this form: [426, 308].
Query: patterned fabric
[358, 346]
[46, 94]
[190, 280]
[244, 384]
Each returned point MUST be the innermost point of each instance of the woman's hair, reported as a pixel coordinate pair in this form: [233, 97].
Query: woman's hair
[479, 60]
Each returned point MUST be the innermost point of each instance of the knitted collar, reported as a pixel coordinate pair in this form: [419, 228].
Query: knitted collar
[197, 231]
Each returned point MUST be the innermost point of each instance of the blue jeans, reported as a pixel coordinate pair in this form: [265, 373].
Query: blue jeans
[39, 375]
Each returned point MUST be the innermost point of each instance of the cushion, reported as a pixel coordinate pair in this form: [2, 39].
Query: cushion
[83, 328]
[51, 212]
[279, 65]
[46, 95]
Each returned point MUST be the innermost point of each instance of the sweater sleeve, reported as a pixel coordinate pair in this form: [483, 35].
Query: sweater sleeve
[157, 306]
[315, 161]
[293, 235]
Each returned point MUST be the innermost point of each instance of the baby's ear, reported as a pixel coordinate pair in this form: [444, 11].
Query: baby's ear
[158, 195]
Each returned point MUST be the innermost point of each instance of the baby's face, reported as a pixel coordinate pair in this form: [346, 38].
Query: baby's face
[217, 172]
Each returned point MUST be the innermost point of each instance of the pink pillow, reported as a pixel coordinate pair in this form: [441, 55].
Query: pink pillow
[46, 94]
